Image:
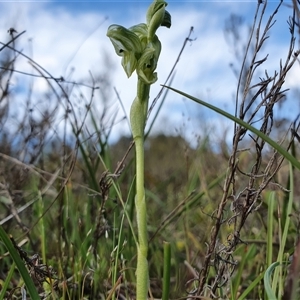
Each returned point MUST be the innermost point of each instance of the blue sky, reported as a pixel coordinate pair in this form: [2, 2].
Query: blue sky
[67, 35]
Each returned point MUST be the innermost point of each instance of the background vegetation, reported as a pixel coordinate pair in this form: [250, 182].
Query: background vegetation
[229, 211]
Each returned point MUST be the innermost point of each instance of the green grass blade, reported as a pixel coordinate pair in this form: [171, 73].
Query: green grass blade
[7, 281]
[190, 204]
[90, 168]
[250, 253]
[267, 139]
[117, 248]
[20, 265]
[150, 125]
[271, 205]
[251, 286]
[267, 281]
[167, 267]
[277, 276]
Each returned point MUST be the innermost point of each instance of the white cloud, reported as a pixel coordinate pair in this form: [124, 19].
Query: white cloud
[59, 35]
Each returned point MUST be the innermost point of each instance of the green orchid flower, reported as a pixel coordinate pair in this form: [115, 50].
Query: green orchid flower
[127, 44]
[148, 62]
[140, 42]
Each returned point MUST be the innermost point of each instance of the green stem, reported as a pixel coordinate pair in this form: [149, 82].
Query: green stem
[142, 279]
[138, 115]
[140, 194]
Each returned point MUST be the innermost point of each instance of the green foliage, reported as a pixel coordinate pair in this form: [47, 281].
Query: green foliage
[20, 265]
